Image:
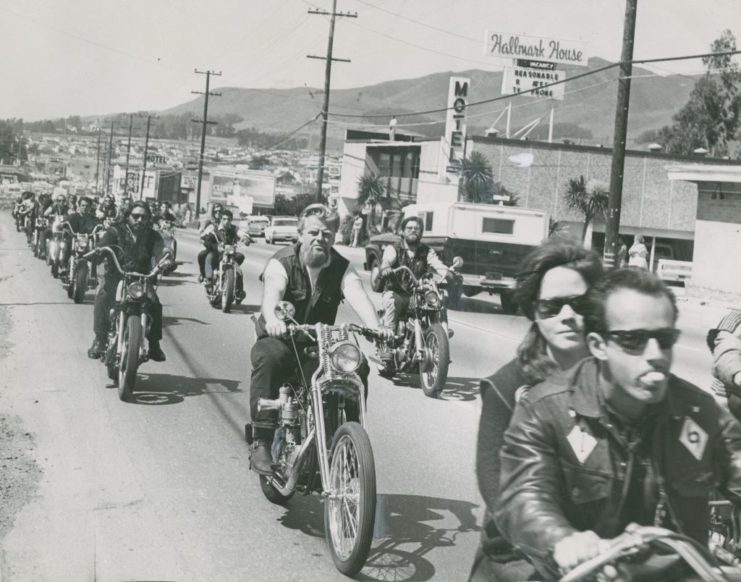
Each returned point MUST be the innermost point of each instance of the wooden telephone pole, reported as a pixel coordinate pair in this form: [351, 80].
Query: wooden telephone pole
[205, 122]
[146, 152]
[612, 229]
[327, 78]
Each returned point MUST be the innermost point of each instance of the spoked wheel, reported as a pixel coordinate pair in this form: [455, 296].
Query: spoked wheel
[227, 291]
[132, 339]
[350, 506]
[433, 373]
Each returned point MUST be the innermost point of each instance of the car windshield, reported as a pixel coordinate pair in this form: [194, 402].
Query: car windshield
[285, 222]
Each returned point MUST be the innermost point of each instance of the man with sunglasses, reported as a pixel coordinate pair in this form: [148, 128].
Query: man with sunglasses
[410, 252]
[616, 439]
[137, 246]
[315, 279]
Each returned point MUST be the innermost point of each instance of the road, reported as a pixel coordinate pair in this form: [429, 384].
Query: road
[160, 489]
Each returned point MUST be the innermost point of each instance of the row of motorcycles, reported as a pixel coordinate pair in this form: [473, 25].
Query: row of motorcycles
[64, 252]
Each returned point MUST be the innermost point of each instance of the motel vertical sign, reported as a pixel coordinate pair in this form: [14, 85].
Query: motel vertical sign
[455, 123]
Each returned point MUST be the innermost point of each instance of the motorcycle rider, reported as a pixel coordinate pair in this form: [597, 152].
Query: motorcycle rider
[106, 209]
[214, 218]
[164, 212]
[724, 341]
[420, 258]
[27, 213]
[214, 238]
[616, 439]
[83, 221]
[315, 278]
[57, 214]
[136, 244]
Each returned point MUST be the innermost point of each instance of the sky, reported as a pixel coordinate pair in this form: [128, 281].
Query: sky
[92, 57]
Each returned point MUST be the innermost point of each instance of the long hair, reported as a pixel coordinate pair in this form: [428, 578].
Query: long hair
[532, 353]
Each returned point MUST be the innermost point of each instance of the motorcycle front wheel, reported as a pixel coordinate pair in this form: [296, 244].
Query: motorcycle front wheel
[227, 291]
[350, 505]
[130, 357]
[433, 373]
[79, 284]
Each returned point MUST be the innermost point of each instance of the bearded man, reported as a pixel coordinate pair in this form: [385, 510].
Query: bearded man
[315, 279]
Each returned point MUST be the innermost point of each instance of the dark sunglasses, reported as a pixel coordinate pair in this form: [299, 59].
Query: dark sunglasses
[636, 340]
[138, 216]
[546, 308]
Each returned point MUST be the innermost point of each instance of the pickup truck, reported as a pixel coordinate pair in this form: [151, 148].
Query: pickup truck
[491, 240]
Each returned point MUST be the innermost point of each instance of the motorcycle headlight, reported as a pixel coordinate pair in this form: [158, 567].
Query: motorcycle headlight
[345, 357]
[135, 290]
[81, 243]
[229, 249]
[432, 299]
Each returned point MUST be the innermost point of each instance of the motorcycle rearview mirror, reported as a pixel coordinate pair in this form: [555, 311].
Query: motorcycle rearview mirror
[457, 262]
[285, 310]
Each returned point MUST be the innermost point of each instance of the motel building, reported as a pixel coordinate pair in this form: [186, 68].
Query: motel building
[687, 208]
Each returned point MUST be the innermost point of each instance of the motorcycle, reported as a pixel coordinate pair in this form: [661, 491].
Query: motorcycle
[167, 231]
[80, 275]
[130, 322]
[19, 218]
[654, 553]
[40, 225]
[321, 443]
[422, 339]
[56, 246]
[222, 291]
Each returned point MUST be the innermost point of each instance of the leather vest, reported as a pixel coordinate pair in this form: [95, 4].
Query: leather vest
[321, 305]
[401, 282]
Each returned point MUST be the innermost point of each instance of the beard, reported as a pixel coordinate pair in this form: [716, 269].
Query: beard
[313, 256]
[411, 239]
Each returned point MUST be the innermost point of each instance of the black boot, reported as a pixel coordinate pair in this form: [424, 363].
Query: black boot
[155, 352]
[97, 350]
[261, 459]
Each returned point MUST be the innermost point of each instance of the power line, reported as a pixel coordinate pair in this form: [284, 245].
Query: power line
[541, 87]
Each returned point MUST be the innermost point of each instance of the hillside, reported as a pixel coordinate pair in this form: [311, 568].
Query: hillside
[589, 104]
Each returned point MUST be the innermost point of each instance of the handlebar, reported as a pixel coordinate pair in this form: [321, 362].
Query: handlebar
[109, 250]
[634, 539]
[367, 332]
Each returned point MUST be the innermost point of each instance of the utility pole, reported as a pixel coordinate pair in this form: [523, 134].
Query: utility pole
[146, 151]
[205, 122]
[128, 155]
[97, 163]
[110, 152]
[612, 229]
[327, 78]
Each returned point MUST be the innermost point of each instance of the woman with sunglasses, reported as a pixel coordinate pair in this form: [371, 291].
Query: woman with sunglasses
[550, 291]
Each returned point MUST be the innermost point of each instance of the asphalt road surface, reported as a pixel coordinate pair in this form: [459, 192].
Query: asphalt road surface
[160, 490]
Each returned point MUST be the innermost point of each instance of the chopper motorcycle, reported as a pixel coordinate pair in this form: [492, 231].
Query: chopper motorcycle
[56, 246]
[221, 293]
[130, 323]
[321, 443]
[422, 335]
[80, 274]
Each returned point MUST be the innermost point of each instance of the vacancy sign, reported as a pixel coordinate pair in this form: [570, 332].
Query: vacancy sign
[533, 82]
[517, 46]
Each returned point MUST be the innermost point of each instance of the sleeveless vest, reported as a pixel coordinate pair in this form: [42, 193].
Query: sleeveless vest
[321, 305]
[401, 282]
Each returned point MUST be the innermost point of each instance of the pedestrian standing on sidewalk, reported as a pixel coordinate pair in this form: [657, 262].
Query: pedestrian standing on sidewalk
[638, 254]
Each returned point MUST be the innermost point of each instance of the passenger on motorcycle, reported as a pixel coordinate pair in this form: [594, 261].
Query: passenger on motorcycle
[315, 278]
[136, 244]
[213, 219]
[214, 237]
[616, 439]
[416, 255]
[551, 284]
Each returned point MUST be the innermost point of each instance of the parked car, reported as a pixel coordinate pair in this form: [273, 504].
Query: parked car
[283, 228]
[491, 240]
[256, 225]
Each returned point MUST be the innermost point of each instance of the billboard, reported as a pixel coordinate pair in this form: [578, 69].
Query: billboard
[518, 79]
[236, 185]
[518, 46]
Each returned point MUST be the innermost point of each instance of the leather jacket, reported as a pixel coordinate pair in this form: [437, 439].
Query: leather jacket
[568, 466]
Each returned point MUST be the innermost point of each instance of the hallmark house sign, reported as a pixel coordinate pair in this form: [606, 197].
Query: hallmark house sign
[516, 46]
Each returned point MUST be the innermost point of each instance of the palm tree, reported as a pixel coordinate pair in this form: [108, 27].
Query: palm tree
[477, 179]
[590, 199]
[371, 189]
